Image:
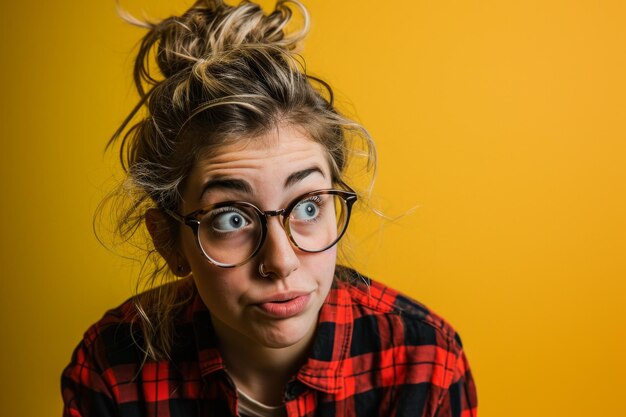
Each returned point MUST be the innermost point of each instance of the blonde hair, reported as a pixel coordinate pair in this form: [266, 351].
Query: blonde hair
[225, 74]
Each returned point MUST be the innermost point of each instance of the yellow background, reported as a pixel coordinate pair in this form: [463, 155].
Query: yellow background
[503, 121]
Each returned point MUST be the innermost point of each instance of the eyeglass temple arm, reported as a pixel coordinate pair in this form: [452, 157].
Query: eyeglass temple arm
[176, 216]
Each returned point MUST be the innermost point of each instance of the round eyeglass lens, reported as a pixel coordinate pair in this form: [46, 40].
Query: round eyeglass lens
[230, 234]
[316, 222]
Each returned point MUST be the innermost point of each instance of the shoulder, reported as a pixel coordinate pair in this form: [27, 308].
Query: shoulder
[377, 307]
[108, 339]
[397, 342]
[118, 337]
[110, 364]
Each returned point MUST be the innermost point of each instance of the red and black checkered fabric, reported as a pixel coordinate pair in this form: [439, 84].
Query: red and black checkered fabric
[375, 353]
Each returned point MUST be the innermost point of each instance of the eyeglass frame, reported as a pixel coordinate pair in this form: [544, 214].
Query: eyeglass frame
[191, 220]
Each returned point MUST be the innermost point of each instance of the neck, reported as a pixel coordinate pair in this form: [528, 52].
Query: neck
[260, 371]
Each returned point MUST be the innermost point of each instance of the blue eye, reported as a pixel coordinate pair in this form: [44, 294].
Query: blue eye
[228, 219]
[307, 210]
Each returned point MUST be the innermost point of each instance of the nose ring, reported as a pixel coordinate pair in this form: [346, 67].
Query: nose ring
[262, 271]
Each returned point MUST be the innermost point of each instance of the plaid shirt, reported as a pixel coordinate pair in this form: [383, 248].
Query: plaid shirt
[375, 353]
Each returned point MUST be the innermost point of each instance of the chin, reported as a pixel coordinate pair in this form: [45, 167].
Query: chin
[287, 333]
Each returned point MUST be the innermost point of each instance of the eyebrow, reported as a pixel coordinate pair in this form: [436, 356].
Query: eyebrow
[235, 184]
[228, 184]
[300, 175]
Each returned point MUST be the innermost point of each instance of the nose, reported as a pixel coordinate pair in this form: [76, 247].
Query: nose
[278, 254]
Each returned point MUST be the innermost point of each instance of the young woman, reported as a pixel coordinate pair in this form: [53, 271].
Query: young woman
[237, 171]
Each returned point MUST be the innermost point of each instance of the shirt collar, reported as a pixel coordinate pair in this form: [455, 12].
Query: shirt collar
[324, 369]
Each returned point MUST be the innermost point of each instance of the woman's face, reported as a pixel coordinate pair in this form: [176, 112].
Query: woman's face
[280, 310]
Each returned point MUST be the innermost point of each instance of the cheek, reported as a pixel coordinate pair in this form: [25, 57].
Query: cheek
[223, 292]
[219, 288]
[322, 264]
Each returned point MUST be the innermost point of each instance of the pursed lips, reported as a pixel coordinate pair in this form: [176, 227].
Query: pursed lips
[284, 305]
[283, 297]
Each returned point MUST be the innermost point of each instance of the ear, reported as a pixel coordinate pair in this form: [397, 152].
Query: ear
[160, 230]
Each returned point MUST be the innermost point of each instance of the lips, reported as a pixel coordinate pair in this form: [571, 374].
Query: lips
[284, 305]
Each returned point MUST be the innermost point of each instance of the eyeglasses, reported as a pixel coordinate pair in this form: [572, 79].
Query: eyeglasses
[230, 233]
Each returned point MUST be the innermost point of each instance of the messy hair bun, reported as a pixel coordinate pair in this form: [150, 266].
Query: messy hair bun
[211, 28]
[225, 74]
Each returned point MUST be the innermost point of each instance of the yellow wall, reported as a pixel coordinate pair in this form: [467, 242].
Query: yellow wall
[504, 121]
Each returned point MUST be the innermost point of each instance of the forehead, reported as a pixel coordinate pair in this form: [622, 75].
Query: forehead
[262, 161]
[283, 143]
